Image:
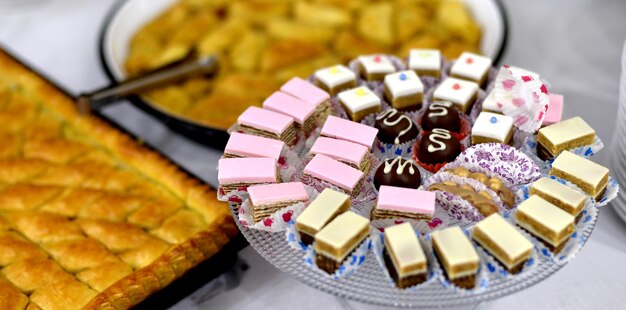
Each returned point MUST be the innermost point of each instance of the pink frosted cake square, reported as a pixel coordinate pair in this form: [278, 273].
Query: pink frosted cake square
[400, 202]
[305, 91]
[269, 124]
[339, 128]
[353, 154]
[555, 110]
[302, 112]
[269, 198]
[243, 145]
[334, 172]
[235, 173]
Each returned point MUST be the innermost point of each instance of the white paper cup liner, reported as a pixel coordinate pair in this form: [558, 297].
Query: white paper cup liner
[352, 262]
[278, 220]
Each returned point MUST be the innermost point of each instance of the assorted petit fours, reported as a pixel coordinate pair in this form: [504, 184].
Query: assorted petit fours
[359, 102]
[495, 184]
[560, 195]
[490, 104]
[400, 202]
[404, 90]
[338, 239]
[457, 256]
[404, 257]
[335, 79]
[334, 172]
[235, 173]
[503, 241]
[425, 62]
[375, 67]
[302, 112]
[492, 127]
[479, 200]
[327, 206]
[547, 222]
[460, 92]
[398, 172]
[350, 153]
[438, 146]
[471, 67]
[441, 114]
[395, 127]
[243, 145]
[555, 110]
[269, 124]
[343, 129]
[268, 198]
[565, 135]
[309, 93]
[589, 176]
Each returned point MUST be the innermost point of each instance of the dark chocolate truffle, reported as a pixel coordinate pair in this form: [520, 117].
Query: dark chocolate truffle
[441, 114]
[398, 172]
[394, 127]
[438, 146]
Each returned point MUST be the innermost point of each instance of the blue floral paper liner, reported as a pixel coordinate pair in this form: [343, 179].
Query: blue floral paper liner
[530, 149]
[350, 264]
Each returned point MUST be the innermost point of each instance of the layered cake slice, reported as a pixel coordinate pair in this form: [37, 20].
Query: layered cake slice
[560, 195]
[471, 67]
[589, 176]
[490, 104]
[324, 168]
[375, 67]
[425, 62]
[503, 241]
[343, 129]
[404, 256]
[269, 198]
[492, 127]
[269, 124]
[310, 93]
[457, 256]
[562, 136]
[328, 205]
[460, 92]
[338, 239]
[404, 90]
[301, 111]
[335, 79]
[350, 153]
[235, 173]
[359, 102]
[400, 202]
[243, 145]
[545, 221]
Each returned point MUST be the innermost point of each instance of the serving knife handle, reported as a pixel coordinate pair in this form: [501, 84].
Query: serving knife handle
[95, 100]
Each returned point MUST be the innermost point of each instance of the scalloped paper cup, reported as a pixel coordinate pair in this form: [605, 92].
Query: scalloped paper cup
[350, 264]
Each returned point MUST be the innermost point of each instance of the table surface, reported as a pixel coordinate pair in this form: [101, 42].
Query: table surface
[574, 44]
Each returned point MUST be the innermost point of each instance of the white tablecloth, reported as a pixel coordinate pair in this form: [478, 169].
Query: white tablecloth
[575, 44]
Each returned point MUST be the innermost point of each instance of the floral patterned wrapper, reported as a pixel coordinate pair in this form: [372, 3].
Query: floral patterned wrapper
[465, 127]
[278, 220]
[482, 280]
[576, 240]
[512, 166]
[352, 262]
[522, 96]
[586, 151]
[378, 247]
[355, 65]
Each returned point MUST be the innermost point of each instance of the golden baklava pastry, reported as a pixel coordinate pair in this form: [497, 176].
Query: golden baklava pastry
[89, 218]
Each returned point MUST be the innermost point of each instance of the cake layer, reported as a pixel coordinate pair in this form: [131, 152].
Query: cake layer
[460, 92]
[405, 250]
[247, 170]
[472, 67]
[409, 200]
[502, 240]
[403, 84]
[376, 64]
[490, 104]
[335, 76]
[334, 172]
[425, 60]
[289, 105]
[341, 150]
[560, 195]
[565, 135]
[244, 145]
[339, 128]
[493, 126]
[305, 91]
[455, 252]
[265, 120]
[589, 176]
[359, 102]
[341, 236]
[276, 193]
[545, 220]
[322, 210]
